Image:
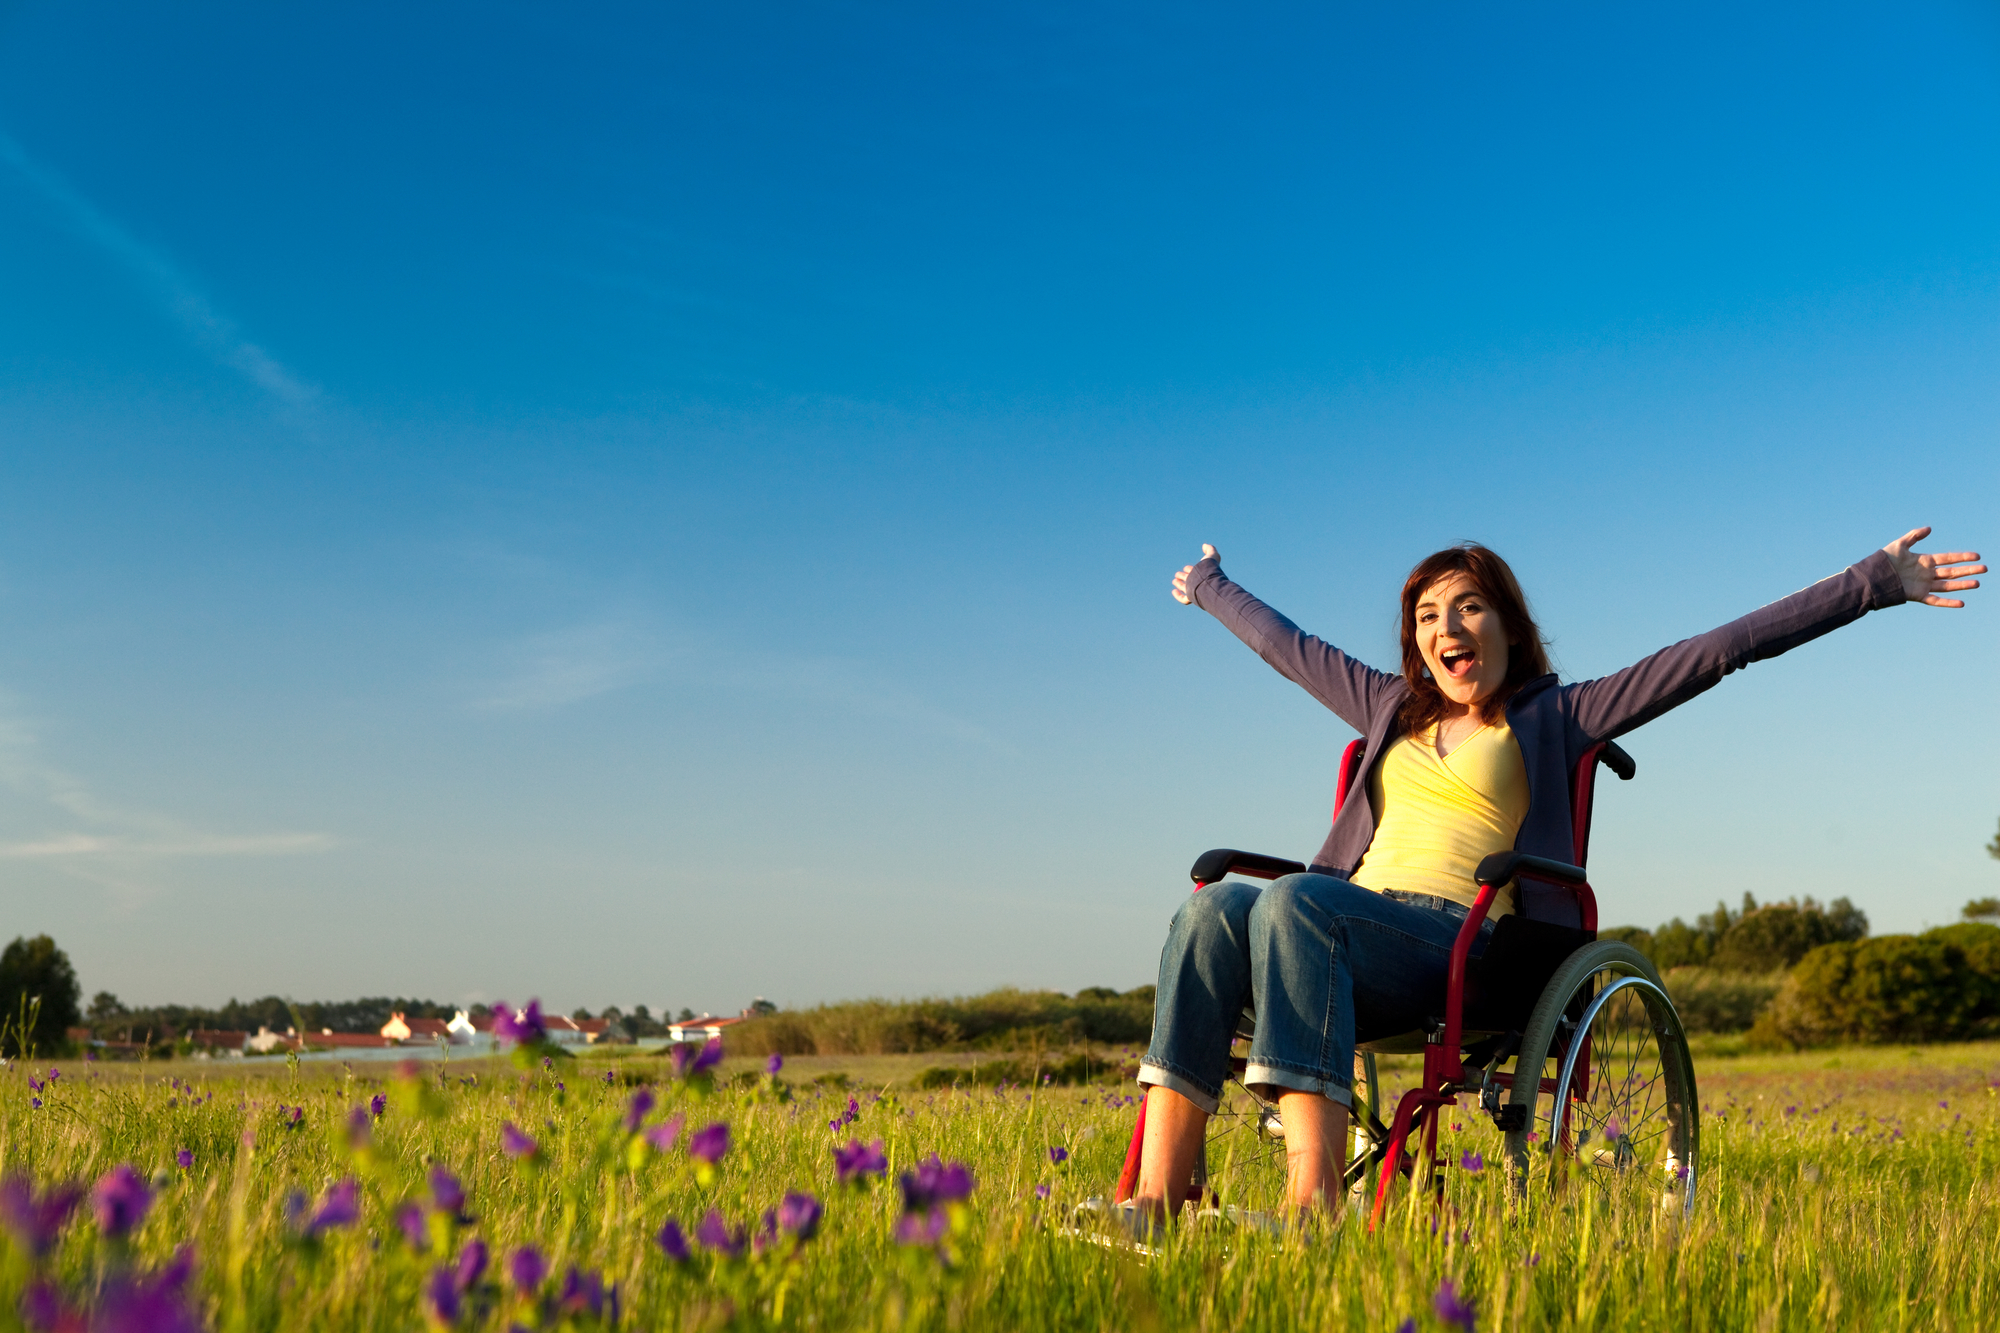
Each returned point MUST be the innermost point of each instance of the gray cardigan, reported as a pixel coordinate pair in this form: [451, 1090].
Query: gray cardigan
[1554, 723]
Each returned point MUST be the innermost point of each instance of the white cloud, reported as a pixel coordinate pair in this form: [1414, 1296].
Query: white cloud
[101, 841]
[569, 665]
[211, 330]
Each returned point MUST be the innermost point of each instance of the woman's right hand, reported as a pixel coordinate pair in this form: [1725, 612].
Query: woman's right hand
[1180, 580]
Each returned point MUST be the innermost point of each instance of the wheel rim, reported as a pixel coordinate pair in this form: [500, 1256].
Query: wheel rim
[1630, 1109]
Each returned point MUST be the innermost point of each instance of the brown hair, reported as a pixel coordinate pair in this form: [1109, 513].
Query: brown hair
[1527, 652]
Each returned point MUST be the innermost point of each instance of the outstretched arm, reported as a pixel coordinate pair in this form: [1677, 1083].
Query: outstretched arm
[1350, 688]
[1610, 707]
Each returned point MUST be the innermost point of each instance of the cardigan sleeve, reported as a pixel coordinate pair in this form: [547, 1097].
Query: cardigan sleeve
[1350, 688]
[1615, 704]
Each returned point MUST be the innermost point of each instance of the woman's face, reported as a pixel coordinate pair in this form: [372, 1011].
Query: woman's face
[1461, 638]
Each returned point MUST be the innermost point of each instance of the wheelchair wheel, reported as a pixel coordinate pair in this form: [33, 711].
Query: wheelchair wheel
[1620, 1107]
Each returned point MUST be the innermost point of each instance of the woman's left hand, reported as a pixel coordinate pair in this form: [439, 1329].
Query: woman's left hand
[1925, 576]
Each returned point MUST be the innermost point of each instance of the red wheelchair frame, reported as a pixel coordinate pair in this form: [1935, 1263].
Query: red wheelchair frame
[1445, 1077]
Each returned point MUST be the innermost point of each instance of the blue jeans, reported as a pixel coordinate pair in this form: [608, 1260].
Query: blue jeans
[1323, 963]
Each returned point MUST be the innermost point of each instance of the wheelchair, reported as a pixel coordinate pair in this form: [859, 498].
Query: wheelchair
[1568, 1043]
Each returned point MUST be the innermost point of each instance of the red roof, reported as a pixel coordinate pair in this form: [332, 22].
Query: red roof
[348, 1039]
[218, 1037]
[595, 1027]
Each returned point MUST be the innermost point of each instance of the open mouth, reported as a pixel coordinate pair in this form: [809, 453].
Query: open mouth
[1458, 662]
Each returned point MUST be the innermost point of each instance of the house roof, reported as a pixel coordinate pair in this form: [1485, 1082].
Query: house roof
[348, 1039]
[218, 1037]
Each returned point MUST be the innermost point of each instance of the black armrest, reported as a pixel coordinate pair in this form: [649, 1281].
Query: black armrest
[1500, 867]
[1617, 761]
[1212, 866]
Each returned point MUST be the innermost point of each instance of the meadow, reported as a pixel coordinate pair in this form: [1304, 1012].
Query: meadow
[1857, 1188]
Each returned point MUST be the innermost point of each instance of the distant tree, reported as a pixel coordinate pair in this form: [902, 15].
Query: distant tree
[642, 1013]
[1993, 847]
[686, 1015]
[580, 1014]
[104, 1006]
[33, 969]
[760, 1005]
[1981, 909]
[1777, 935]
[1677, 944]
[1637, 936]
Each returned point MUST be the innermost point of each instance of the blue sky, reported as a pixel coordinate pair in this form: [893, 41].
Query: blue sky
[676, 503]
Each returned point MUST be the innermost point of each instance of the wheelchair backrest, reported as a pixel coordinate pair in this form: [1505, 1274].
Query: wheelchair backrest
[1538, 901]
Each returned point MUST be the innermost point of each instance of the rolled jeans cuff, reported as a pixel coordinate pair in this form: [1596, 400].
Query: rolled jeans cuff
[1157, 1076]
[1291, 1080]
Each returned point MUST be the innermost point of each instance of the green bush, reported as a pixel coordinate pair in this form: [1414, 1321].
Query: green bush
[1711, 1000]
[1942, 985]
[1078, 1067]
[1769, 938]
[1009, 1020]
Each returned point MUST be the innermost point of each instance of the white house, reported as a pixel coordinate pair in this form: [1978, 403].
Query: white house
[700, 1029]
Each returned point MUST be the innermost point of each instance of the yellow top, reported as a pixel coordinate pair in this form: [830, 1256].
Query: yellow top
[1436, 818]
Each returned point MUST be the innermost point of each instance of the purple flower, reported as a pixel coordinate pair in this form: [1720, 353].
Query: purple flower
[714, 1233]
[934, 1184]
[709, 1143]
[184, 1159]
[447, 1195]
[638, 1109]
[514, 1143]
[36, 1221]
[799, 1215]
[582, 1293]
[683, 1056]
[922, 1228]
[1450, 1309]
[158, 1304]
[1613, 1130]
[44, 1311]
[441, 1304]
[526, 1268]
[471, 1264]
[662, 1135]
[120, 1200]
[378, 1104]
[524, 1026]
[1408, 1325]
[341, 1207]
[1058, 1155]
[777, 1062]
[710, 1057]
[35, 1084]
[1472, 1162]
[856, 1161]
[767, 1232]
[672, 1242]
[359, 1126]
[1041, 1191]
[410, 1217]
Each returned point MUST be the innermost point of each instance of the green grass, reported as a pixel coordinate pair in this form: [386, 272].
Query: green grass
[1836, 1193]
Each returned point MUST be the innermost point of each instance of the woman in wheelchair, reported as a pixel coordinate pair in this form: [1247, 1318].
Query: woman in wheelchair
[1469, 751]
